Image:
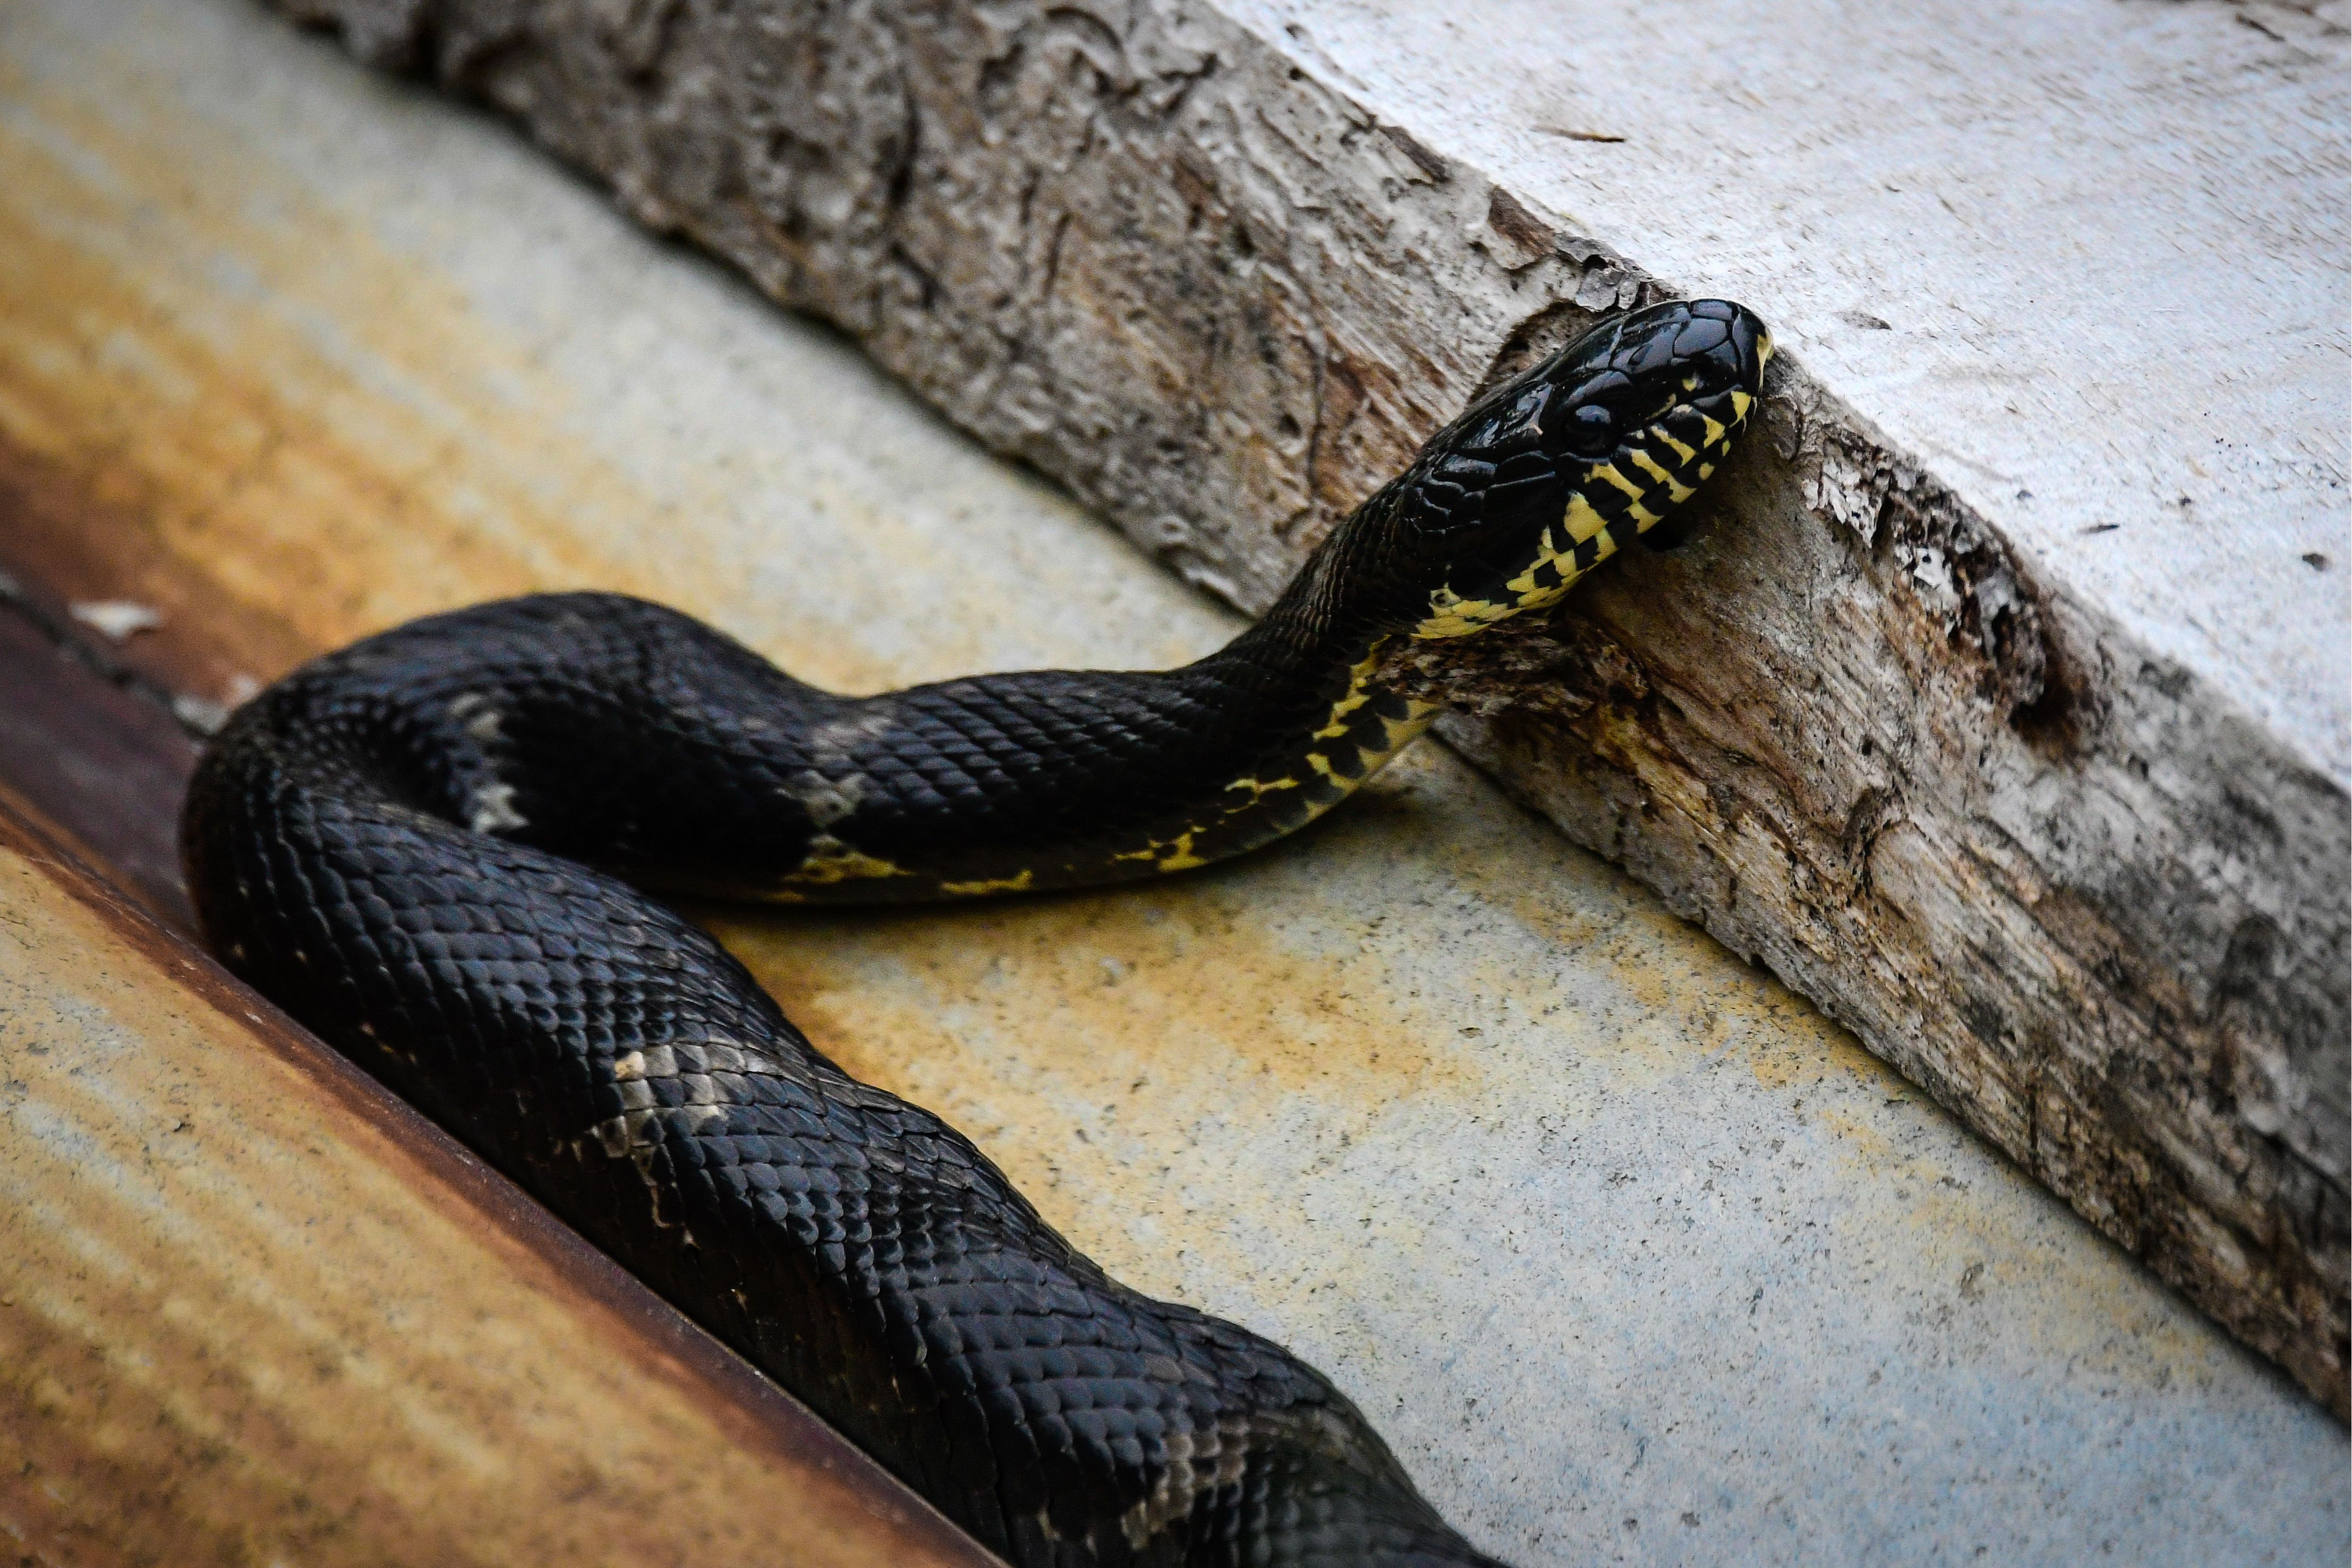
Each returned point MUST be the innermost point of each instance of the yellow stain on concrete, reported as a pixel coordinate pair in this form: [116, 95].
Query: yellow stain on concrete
[1146, 1053]
[310, 406]
[276, 491]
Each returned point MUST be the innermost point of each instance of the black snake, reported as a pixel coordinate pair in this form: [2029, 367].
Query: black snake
[428, 846]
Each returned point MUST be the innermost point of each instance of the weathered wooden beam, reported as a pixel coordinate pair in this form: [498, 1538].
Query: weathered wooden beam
[253, 1309]
[2058, 871]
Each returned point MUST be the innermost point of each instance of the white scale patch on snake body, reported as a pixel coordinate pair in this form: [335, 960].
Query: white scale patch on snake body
[833, 789]
[717, 1056]
[659, 1062]
[636, 1094]
[1198, 1462]
[474, 711]
[489, 809]
[826, 800]
[837, 741]
[637, 1135]
[632, 1132]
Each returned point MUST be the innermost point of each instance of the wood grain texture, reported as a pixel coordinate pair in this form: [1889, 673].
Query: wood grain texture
[2062, 883]
[254, 1309]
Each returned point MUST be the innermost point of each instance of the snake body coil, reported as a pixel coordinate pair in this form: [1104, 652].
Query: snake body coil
[427, 848]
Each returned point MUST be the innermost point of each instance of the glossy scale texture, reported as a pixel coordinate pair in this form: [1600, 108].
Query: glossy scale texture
[390, 843]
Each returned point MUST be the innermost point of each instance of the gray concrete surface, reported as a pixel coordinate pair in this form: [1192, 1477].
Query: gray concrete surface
[1632, 1255]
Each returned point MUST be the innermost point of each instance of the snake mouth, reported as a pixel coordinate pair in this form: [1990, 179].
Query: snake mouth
[1598, 446]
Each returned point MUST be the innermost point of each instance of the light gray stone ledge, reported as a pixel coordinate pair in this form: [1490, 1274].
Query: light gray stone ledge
[2002, 710]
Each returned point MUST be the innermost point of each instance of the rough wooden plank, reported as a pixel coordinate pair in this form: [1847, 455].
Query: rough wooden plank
[253, 1308]
[2058, 876]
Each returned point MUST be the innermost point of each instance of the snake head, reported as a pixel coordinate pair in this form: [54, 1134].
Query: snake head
[1551, 474]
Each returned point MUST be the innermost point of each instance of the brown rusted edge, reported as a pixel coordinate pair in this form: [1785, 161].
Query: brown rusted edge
[758, 1413]
[102, 762]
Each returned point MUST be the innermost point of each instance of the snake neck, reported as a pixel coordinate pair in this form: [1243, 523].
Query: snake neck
[1335, 610]
[1224, 755]
[1305, 716]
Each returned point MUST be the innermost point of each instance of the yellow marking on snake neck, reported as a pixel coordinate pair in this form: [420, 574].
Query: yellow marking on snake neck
[1611, 472]
[1015, 884]
[1398, 733]
[1452, 616]
[1360, 679]
[1677, 491]
[1582, 521]
[1236, 830]
[1532, 594]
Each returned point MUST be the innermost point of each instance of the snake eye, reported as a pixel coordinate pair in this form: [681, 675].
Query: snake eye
[1592, 429]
